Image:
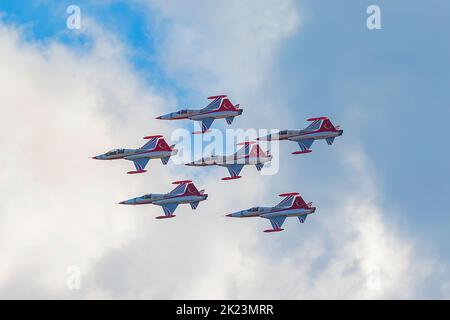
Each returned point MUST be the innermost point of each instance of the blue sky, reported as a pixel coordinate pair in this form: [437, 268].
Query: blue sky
[398, 77]
[387, 88]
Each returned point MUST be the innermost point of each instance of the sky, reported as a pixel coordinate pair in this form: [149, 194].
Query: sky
[381, 227]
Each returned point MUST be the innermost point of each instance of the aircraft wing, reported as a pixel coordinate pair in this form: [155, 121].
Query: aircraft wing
[140, 163]
[305, 144]
[315, 125]
[277, 222]
[180, 188]
[169, 209]
[287, 201]
[215, 103]
[151, 143]
[206, 124]
[234, 169]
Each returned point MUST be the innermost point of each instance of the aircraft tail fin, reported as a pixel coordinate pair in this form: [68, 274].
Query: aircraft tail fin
[298, 202]
[162, 145]
[256, 151]
[192, 189]
[227, 105]
[327, 125]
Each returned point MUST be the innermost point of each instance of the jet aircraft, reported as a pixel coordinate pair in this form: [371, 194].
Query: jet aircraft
[220, 107]
[292, 205]
[185, 192]
[155, 148]
[249, 154]
[320, 128]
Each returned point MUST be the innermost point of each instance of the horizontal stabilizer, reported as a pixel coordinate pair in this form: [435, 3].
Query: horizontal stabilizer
[259, 166]
[194, 205]
[330, 141]
[229, 120]
[302, 218]
[165, 160]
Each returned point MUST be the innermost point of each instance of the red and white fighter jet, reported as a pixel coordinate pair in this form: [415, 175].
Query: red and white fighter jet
[320, 128]
[249, 154]
[219, 108]
[185, 192]
[292, 205]
[155, 148]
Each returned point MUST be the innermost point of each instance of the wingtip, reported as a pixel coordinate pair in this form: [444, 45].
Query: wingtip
[231, 178]
[273, 230]
[201, 132]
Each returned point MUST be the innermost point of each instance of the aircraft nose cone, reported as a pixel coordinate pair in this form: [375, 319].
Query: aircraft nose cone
[132, 201]
[229, 215]
[159, 118]
[96, 158]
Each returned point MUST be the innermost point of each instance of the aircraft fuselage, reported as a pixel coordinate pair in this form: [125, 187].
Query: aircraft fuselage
[200, 114]
[133, 154]
[230, 160]
[160, 199]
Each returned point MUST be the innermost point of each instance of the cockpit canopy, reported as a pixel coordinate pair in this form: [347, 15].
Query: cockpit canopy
[183, 111]
[254, 209]
[114, 152]
[285, 132]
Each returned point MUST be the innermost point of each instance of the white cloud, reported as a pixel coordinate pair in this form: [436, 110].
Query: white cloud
[58, 207]
[58, 108]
